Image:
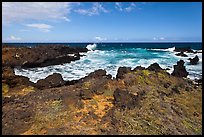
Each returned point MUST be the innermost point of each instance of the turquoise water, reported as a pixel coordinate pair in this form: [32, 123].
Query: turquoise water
[111, 56]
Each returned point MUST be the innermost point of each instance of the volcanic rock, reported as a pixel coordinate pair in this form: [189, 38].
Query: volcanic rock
[185, 49]
[194, 61]
[86, 94]
[124, 99]
[122, 71]
[139, 68]
[97, 74]
[9, 77]
[180, 70]
[154, 67]
[39, 56]
[54, 80]
[181, 54]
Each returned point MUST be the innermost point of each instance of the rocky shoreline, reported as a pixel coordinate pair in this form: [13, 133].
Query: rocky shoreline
[139, 101]
[39, 56]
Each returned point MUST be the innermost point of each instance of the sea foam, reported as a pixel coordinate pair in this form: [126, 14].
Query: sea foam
[91, 46]
[111, 60]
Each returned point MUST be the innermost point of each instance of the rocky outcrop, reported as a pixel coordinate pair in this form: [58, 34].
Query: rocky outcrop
[185, 49]
[139, 68]
[95, 82]
[39, 56]
[54, 80]
[154, 67]
[122, 71]
[12, 80]
[180, 70]
[97, 74]
[150, 103]
[124, 99]
[181, 54]
[194, 61]
[198, 81]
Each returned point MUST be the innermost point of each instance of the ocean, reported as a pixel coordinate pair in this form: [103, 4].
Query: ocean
[111, 56]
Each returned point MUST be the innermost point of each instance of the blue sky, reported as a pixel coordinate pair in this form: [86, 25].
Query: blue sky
[102, 22]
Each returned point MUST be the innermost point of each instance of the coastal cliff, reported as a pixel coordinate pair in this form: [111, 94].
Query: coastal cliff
[138, 101]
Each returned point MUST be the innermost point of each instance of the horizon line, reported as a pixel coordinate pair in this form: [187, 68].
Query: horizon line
[116, 42]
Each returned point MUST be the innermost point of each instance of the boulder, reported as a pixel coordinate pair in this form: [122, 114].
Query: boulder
[154, 67]
[9, 77]
[97, 74]
[180, 70]
[54, 80]
[122, 71]
[194, 61]
[21, 80]
[124, 99]
[139, 68]
[181, 54]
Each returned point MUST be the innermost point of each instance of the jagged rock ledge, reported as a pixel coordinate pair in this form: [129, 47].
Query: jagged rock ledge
[139, 101]
[39, 56]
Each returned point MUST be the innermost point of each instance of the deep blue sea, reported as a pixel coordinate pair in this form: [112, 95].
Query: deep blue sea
[111, 56]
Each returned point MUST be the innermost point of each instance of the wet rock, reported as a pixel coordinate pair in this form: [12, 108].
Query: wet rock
[185, 49]
[198, 81]
[194, 61]
[181, 54]
[54, 80]
[122, 71]
[180, 70]
[154, 67]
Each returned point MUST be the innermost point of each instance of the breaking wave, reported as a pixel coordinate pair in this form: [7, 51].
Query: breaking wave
[91, 46]
[111, 60]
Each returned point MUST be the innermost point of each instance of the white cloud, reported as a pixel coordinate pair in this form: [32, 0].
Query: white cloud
[41, 27]
[155, 38]
[158, 38]
[118, 6]
[24, 11]
[96, 9]
[130, 7]
[162, 38]
[13, 38]
[100, 38]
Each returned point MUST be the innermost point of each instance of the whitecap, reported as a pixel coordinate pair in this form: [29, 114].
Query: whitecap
[91, 47]
[111, 60]
[168, 49]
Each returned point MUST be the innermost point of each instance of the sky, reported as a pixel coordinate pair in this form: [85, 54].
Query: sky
[101, 22]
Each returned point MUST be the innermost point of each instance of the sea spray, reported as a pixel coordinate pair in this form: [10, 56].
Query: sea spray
[111, 58]
[91, 46]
